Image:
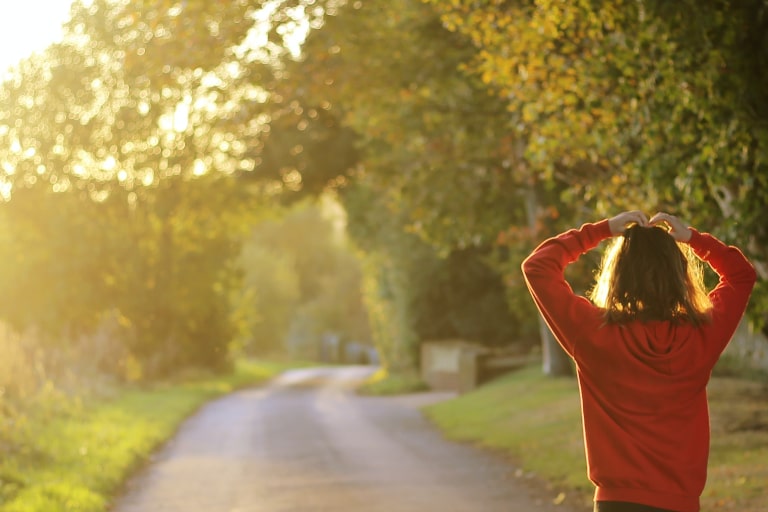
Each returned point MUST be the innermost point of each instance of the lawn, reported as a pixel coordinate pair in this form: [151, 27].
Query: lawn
[383, 383]
[536, 421]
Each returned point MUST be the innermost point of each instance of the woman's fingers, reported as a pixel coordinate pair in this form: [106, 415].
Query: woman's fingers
[676, 227]
[635, 217]
[640, 218]
[659, 218]
[669, 221]
[620, 222]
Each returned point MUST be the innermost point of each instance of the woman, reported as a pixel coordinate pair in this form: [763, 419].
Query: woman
[644, 349]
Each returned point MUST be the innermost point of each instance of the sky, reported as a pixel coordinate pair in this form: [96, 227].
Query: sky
[27, 26]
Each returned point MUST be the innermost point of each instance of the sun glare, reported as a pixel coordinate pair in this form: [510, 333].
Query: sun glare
[28, 26]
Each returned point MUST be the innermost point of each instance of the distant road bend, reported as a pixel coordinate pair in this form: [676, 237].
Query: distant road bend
[307, 443]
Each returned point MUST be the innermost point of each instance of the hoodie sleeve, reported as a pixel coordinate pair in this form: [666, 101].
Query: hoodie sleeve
[731, 295]
[567, 314]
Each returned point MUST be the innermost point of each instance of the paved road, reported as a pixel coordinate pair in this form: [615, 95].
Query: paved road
[307, 443]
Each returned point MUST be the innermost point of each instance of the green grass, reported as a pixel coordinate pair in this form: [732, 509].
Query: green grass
[76, 461]
[536, 421]
[385, 383]
[738, 469]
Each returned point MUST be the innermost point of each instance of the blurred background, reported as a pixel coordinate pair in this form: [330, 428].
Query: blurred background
[188, 182]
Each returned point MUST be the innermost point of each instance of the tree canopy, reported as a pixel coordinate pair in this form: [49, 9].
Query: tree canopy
[138, 153]
[493, 124]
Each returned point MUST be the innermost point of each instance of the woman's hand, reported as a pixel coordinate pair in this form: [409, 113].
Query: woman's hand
[623, 220]
[676, 227]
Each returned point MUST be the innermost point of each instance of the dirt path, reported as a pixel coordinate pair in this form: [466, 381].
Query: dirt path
[306, 443]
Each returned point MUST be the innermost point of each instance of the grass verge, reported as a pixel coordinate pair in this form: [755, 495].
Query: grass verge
[382, 382]
[537, 421]
[76, 462]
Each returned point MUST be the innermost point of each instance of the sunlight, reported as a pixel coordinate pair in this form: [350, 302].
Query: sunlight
[29, 26]
[294, 32]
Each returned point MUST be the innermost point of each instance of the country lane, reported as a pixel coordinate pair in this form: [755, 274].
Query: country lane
[307, 443]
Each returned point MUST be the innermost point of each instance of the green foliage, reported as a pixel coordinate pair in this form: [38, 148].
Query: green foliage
[478, 128]
[386, 295]
[462, 297]
[271, 297]
[162, 266]
[635, 104]
[115, 145]
[412, 293]
[132, 164]
[186, 240]
[55, 277]
[429, 138]
[58, 496]
[133, 93]
[586, 107]
[300, 274]
[428, 183]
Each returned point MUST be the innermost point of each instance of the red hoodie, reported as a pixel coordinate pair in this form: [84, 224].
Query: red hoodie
[642, 385]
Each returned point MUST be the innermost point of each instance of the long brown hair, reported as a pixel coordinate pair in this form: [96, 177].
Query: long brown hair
[646, 275]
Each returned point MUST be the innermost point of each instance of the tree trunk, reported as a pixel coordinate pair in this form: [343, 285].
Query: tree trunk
[555, 362]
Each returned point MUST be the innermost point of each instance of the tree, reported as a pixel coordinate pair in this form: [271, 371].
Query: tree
[126, 127]
[431, 141]
[162, 267]
[300, 270]
[636, 103]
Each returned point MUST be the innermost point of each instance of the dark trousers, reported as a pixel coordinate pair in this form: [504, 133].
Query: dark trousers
[620, 506]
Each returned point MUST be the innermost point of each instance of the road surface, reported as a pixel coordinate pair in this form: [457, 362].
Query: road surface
[307, 443]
